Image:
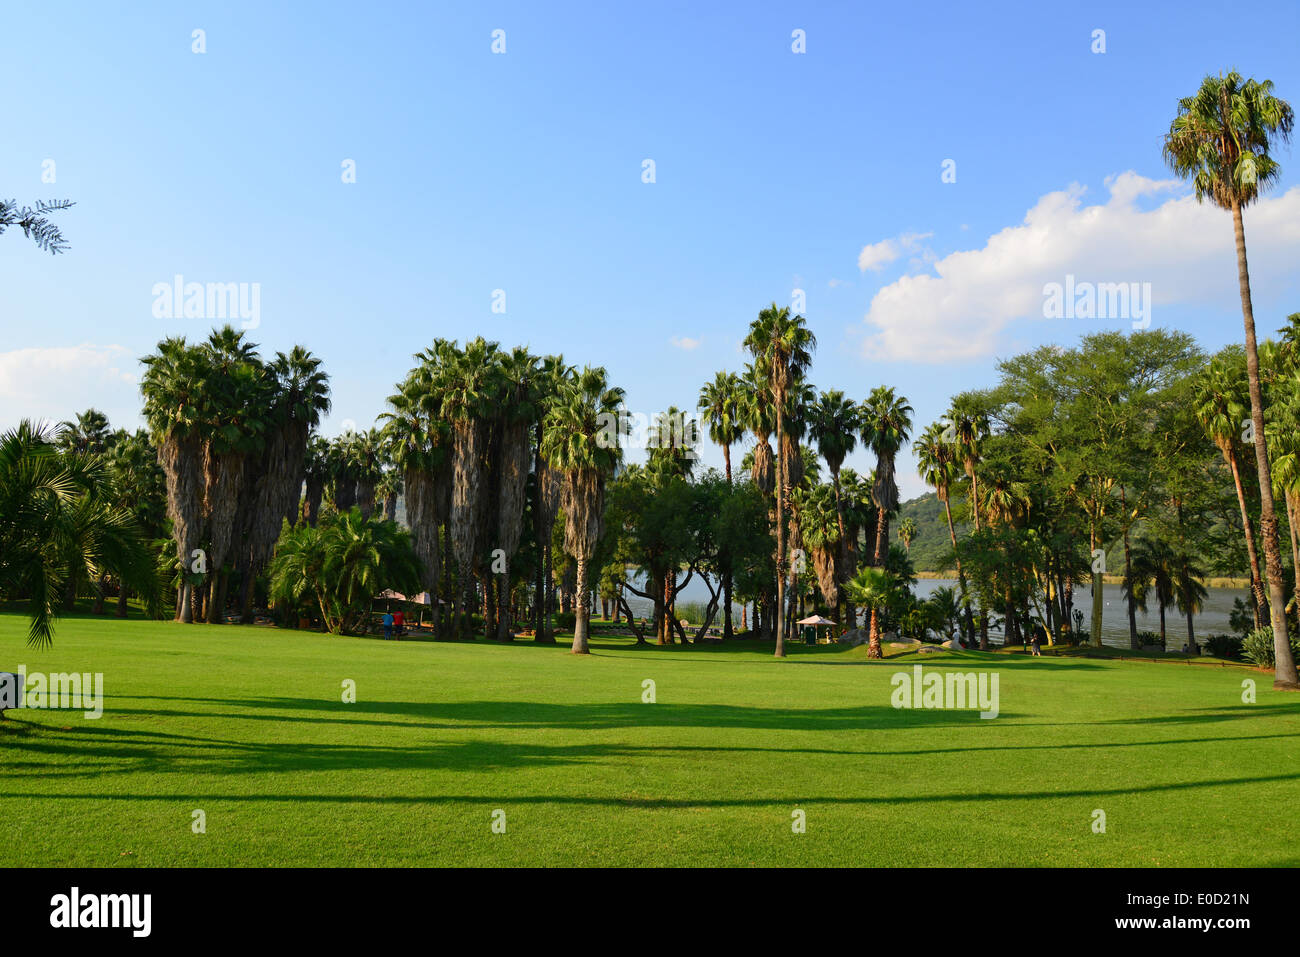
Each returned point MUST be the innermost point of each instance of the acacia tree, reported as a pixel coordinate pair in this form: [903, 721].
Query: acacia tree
[1221, 140]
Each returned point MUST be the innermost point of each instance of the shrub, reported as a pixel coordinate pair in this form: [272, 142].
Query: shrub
[566, 620]
[1229, 646]
[1149, 638]
[1258, 646]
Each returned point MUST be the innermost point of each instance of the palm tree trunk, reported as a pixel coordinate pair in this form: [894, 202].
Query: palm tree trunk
[1284, 677]
[961, 575]
[780, 526]
[1256, 582]
[582, 609]
[1289, 497]
[726, 574]
[1128, 570]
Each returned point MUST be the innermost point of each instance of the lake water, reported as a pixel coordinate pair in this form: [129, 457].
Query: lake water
[1213, 618]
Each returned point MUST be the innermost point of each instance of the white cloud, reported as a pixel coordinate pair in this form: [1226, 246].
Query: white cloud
[53, 384]
[684, 342]
[1184, 249]
[876, 256]
[836, 283]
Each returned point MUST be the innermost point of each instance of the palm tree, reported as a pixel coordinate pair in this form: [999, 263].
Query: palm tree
[519, 409]
[299, 396]
[819, 525]
[547, 488]
[58, 524]
[1189, 592]
[1220, 409]
[470, 395]
[721, 402]
[315, 476]
[89, 433]
[340, 566]
[573, 445]
[873, 587]
[907, 532]
[235, 398]
[418, 438]
[833, 425]
[172, 384]
[1220, 139]
[937, 463]
[1154, 569]
[969, 425]
[886, 422]
[782, 346]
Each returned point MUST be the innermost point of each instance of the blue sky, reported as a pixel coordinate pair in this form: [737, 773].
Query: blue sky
[522, 171]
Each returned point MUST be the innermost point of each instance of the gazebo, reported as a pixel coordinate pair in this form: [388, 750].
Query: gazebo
[815, 621]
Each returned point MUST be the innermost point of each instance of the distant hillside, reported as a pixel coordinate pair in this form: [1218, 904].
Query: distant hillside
[931, 550]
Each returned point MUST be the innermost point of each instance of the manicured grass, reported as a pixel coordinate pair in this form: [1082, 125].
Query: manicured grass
[248, 725]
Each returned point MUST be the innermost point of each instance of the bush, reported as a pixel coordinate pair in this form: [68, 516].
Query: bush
[566, 620]
[1229, 646]
[1149, 638]
[1258, 647]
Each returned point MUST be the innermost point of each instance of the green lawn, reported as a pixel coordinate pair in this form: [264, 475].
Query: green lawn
[248, 725]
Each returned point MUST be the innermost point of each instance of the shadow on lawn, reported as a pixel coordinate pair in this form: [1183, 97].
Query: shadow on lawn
[467, 715]
[636, 801]
[101, 748]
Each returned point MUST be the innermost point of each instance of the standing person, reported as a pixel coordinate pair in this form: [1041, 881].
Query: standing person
[1035, 640]
[399, 622]
[388, 624]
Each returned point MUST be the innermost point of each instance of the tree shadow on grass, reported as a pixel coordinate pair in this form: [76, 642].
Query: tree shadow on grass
[502, 797]
[465, 715]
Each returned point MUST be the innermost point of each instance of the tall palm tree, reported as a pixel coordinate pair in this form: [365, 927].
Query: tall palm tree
[886, 423]
[782, 344]
[299, 396]
[1219, 408]
[1221, 139]
[518, 411]
[969, 425]
[721, 403]
[819, 525]
[833, 425]
[315, 477]
[236, 399]
[470, 395]
[573, 445]
[937, 462]
[547, 487]
[173, 382]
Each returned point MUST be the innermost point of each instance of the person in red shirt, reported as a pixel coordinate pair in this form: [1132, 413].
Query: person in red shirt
[399, 622]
